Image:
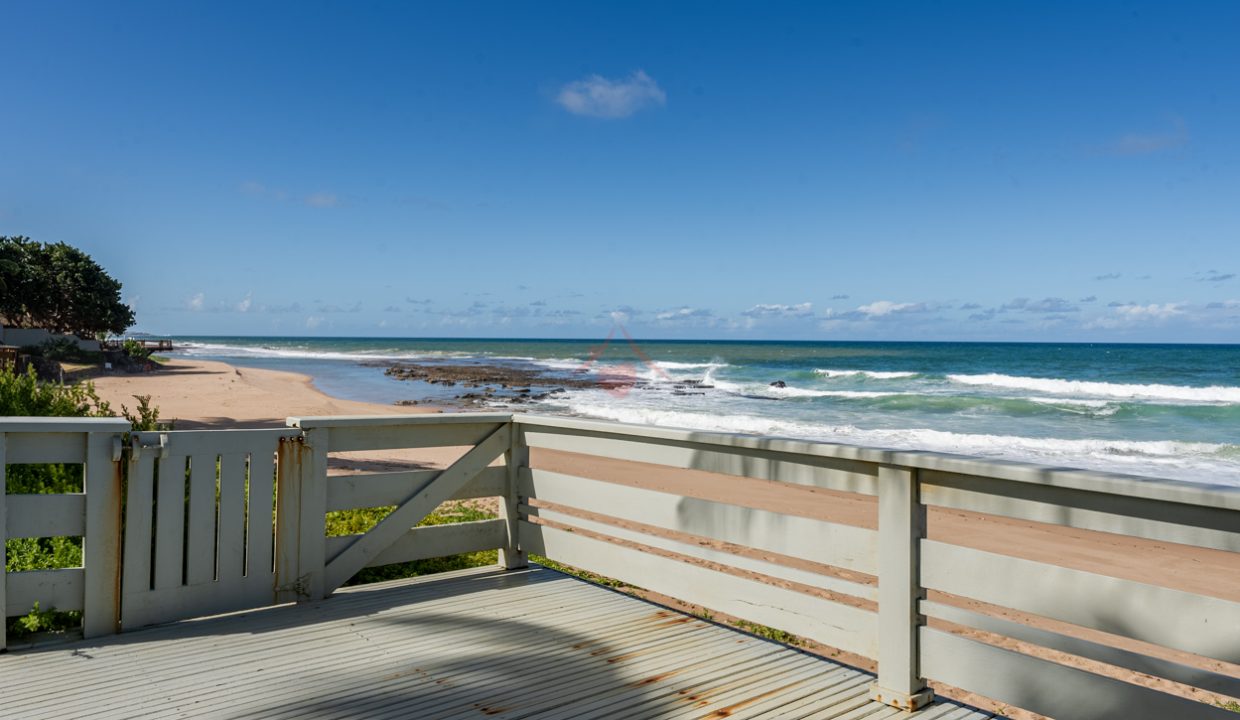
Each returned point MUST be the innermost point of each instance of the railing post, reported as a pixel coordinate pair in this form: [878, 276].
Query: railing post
[313, 542]
[4, 561]
[288, 519]
[511, 556]
[301, 511]
[901, 527]
[101, 551]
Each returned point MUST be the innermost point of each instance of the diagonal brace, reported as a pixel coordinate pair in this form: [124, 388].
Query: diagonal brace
[424, 501]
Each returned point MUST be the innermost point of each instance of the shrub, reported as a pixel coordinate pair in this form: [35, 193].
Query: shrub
[135, 350]
[25, 394]
[63, 349]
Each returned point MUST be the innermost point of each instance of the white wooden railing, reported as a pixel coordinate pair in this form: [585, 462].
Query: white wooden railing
[199, 538]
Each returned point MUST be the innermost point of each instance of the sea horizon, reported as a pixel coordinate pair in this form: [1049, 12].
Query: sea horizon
[1151, 409]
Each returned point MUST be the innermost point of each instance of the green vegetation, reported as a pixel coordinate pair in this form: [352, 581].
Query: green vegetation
[144, 417]
[576, 572]
[1231, 705]
[63, 349]
[769, 633]
[349, 522]
[60, 288]
[42, 621]
[25, 394]
[135, 351]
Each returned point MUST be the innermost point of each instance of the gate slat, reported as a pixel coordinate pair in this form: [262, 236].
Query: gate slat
[138, 515]
[170, 522]
[262, 489]
[201, 550]
[232, 518]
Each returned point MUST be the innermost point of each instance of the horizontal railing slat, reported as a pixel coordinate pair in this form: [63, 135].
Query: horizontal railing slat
[718, 557]
[1197, 624]
[845, 546]
[215, 442]
[432, 541]
[45, 447]
[46, 515]
[1190, 493]
[832, 473]
[385, 437]
[345, 492]
[404, 420]
[37, 424]
[1211, 527]
[1046, 687]
[842, 626]
[1196, 677]
[59, 589]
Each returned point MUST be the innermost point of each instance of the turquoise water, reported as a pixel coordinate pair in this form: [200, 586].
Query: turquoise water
[1161, 410]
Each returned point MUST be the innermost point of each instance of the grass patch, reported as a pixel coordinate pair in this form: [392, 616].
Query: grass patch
[351, 522]
[583, 574]
[770, 633]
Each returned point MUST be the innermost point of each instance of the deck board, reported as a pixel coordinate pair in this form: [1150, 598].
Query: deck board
[479, 643]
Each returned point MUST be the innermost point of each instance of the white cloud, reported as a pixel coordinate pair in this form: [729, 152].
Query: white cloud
[1130, 315]
[886, 307]
[313, 321]
[597, 96]
[689, 317]
[1145, 143]
[195, 303]
[259, 190]
[683, 313]
[246, 302]
[322, 200]
[1153, 310]
[1045, 305]
[780, 311]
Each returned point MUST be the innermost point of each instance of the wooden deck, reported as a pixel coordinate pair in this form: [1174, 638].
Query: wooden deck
[473, 644]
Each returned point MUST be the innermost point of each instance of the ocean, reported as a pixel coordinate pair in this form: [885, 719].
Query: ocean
[1169, 411]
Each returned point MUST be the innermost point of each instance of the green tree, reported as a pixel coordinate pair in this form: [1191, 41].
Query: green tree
[58, 287]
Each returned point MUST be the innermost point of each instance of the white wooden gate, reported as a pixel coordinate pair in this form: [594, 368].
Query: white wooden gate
[199, 524]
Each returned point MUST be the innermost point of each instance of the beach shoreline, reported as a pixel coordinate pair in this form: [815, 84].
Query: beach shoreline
[208, 394]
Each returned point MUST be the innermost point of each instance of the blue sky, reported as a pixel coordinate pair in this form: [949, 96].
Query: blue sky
[989, 171]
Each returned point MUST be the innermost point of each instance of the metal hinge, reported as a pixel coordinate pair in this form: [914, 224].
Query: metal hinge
[140, 444]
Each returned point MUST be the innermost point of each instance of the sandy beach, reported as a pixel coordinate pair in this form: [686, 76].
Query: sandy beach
[207, 394]
[202, 394]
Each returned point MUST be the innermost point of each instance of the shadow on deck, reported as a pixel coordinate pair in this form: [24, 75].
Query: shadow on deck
[473, 644]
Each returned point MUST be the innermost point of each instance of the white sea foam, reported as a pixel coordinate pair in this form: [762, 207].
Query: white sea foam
[789, 391]
[876, 374]
[1056, 386]
[1067, 401]
[556, 363]
[674, 365]
[1217, 463]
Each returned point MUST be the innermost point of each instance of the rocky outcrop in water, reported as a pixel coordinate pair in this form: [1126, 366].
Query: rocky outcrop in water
[503, 383]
